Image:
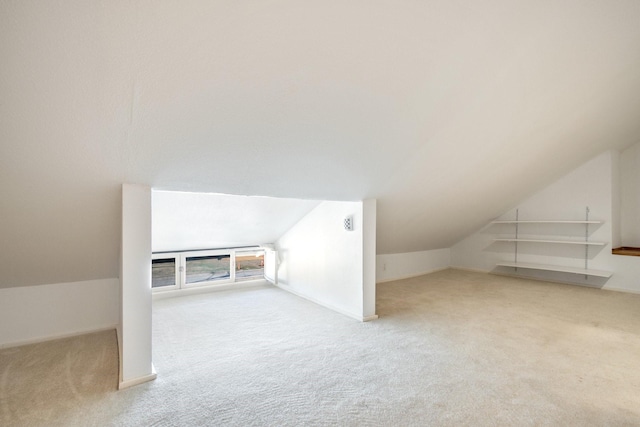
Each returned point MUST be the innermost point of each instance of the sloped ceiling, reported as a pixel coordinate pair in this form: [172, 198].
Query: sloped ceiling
[186, 221]
[448, 112]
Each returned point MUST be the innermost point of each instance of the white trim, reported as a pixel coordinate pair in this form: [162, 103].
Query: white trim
[472, 270]
[119, 343]
[411, 276]
[623, 290]
[135, 381]
[56, 337]
[604, 288]
[210, 288]
[232, 267]
[325, 305]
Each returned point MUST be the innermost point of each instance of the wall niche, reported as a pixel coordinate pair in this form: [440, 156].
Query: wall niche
[629, 201]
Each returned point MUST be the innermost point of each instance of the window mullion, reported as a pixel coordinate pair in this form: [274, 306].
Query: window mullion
[183, 270]
[233, 266]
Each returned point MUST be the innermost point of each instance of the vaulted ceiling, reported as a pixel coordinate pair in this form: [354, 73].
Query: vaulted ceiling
[191, 221]
[448, 112]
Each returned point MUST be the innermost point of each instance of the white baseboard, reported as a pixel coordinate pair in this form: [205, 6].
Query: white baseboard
[54, 337]
[472, 270]
[411, 276]
[135, 381]
[324, 304]
[626, 291]
[211, 288]
[602, 288]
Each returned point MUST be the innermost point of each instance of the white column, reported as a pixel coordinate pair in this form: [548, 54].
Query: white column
[369, 259]
[135, 279]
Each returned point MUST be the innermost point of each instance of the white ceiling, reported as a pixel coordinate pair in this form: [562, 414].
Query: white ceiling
[185, 221]
[448, 112]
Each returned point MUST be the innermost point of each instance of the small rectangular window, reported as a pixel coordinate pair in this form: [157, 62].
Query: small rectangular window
[200, 269]
[179, 270]
[249, 265]
[163, 272]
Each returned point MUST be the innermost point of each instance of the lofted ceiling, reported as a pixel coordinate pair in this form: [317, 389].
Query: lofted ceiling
[448, 112]
[187, 221]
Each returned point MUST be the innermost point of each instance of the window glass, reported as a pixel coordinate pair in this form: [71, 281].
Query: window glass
[208, 268]
[249, 265]
[163, 272]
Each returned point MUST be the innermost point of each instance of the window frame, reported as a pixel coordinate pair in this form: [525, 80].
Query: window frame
[249, 252]
[167, 255]
[180, 259]
[190, 254]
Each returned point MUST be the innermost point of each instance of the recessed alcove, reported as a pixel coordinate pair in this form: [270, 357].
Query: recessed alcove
[629, 202]
[626, 250]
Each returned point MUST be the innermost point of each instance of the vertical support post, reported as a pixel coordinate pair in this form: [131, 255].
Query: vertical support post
[516, 242]
[135, 287]
[369, 215]
[586, 246]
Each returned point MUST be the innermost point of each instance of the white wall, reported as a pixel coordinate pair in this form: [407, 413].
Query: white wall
[36, 313]
[630, 196]
[391, 267]
[588, 185]
[323, 262]
[369, 258]
[591, 184]
[271, 265]
[135, 350]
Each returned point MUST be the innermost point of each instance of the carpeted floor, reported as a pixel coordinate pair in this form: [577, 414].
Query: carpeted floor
[451, 348]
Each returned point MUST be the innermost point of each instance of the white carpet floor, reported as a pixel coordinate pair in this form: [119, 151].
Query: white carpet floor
[450, 349]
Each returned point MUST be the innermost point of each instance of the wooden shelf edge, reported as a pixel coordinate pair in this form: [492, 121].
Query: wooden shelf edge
[626, 250]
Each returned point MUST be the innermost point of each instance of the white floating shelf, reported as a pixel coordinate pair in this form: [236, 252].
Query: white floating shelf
[567, 242]
[545, 267]
[546, 222]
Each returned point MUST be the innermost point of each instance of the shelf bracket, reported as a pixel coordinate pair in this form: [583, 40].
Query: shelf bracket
[586, 239]
[516, 242]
